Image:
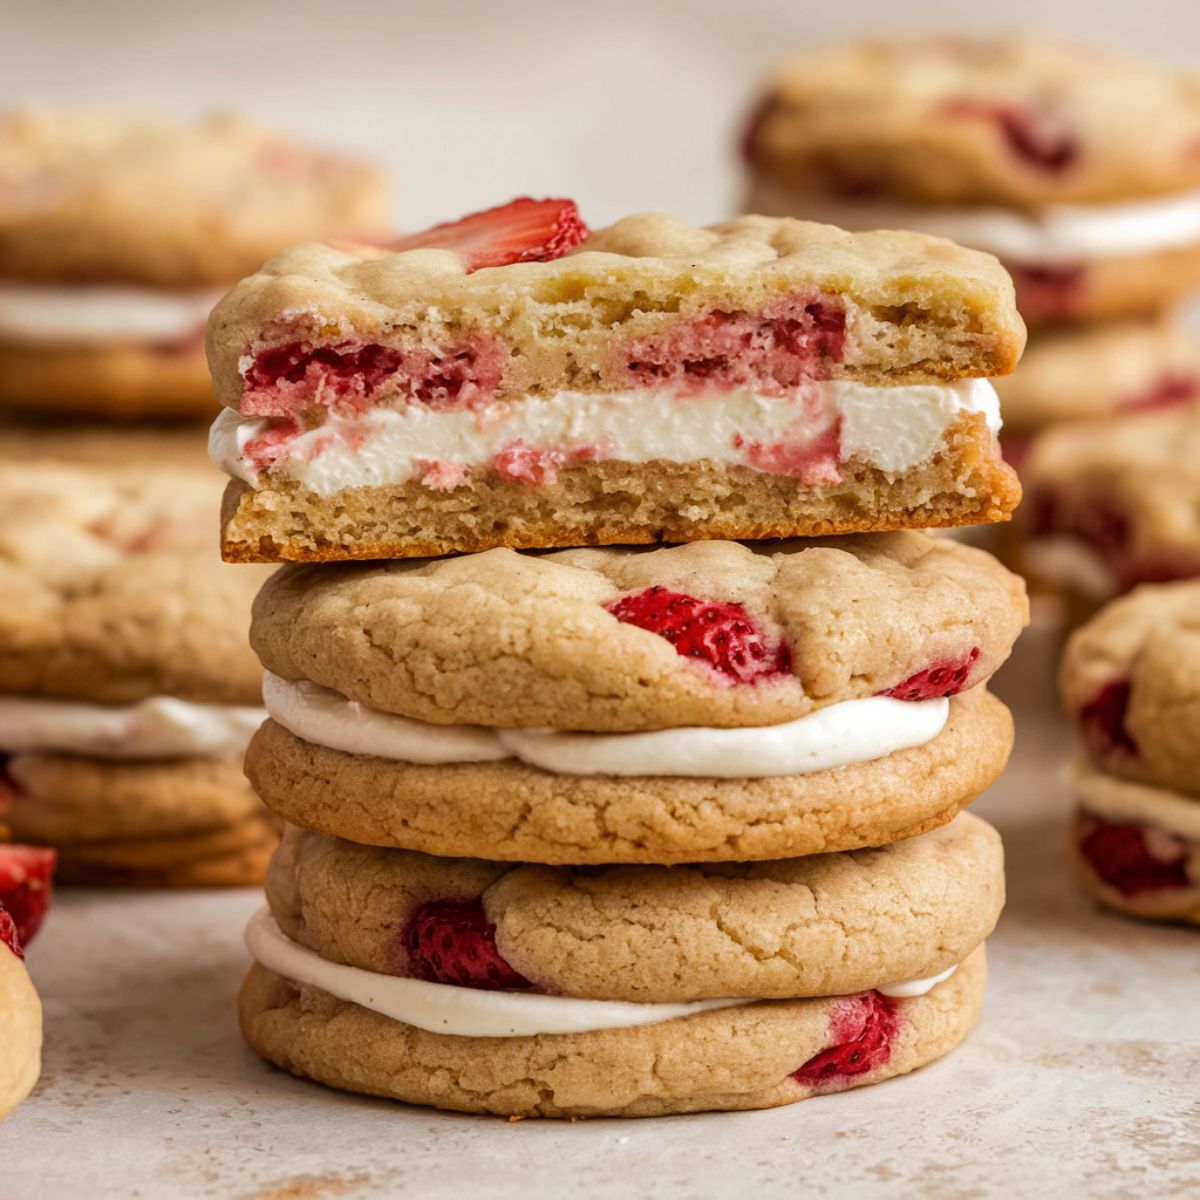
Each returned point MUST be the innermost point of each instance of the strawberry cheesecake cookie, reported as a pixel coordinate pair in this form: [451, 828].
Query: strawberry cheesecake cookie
[1113, 504]
[1128, 681]
[118, 233]
[702, 703]
[20, 1020]
[127, 690]
[633, 991]
[1078, 372]
[514, 380]
[1078, 167]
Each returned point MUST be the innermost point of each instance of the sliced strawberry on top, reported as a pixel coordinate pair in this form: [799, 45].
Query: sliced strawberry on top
[523, 230]
[8, 933]
[26, 873]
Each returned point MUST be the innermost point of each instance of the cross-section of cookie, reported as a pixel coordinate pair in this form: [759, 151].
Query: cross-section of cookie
[1128, 684]
[127, 691]
[705, 702]
[522, 990]
[119, 233]
[1113, 504]
[1077, 166]
[514, 380]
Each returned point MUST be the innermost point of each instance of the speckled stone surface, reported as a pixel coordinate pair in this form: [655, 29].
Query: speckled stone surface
[1081, 1080]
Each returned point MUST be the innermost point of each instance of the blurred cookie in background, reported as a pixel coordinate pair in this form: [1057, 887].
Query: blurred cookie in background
[161, 443]
[119, 232]
[128, 690]
[1076, 166]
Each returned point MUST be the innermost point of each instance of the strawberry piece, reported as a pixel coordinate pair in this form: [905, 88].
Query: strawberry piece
[1170, 390]
[523, 230]
[1047, 293]
[1121, 855]
[1102, 724]
[721, 635]
[947, 677]
[1038, 136]
[862, 1029]
[8, 933]
[452, 941]
[25, 886]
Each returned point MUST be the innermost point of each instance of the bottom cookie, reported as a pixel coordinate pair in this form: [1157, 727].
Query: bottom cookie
[746, 1056]
[234, 856]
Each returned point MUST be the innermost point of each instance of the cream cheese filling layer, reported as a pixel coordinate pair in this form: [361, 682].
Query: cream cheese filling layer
[852, 731]
[893, 429]
[1058, 233]
[85, 313]
[158, 727]
[1071, 564]
[1118, 800]
[474, 1012]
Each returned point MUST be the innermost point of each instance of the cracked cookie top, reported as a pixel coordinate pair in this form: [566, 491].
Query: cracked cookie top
[1130, 680]
[823, 925]
[1022, 122]
[111, 196]
[114, 590]
[711, 633]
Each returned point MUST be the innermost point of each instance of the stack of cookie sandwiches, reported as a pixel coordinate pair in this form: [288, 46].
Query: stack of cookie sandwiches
[1075, 165]
[127, 690]
[119, 232]
[1128, 683]
[577, 828]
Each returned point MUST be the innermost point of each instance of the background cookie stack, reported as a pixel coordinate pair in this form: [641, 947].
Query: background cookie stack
[1077, 167]
[127, 690]
[615, 831]
[1128, 684]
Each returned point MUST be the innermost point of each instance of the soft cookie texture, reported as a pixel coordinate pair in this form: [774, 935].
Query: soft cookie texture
[1130, 681]
[113, 196]
[513, 812]
[753, 1056]
[113, 590]
[817, 926]
[568, 640]
[953, 121]
[20, 1030]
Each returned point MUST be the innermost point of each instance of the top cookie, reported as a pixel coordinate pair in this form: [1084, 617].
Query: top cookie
[113, 589]
[1129, 680]
[710, 633]
[116, 197]
[1023, 123]
[640, 304]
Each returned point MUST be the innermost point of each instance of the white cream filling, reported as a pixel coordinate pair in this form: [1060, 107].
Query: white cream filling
[890, 428]
[1118, 800]
[1058, 233]
[916, 987]
[852, 731]
[474, 1012]
[81, 313]
[1070, 564]
[158, 727]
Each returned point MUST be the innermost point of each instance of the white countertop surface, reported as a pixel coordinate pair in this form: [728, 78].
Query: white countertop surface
[1082, 1080]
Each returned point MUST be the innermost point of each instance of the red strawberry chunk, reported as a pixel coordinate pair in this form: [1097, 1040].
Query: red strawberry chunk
[947, 677]
[1102, 723]
[1170, 390]
[721, 635]
[452, 941]
[1047, 292]
[524, 230]
[1121, 855]
[8, 933]
[26, 873]
[862, 1029]
[1038, 136]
